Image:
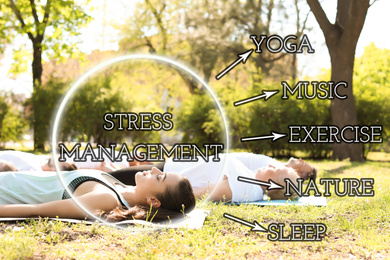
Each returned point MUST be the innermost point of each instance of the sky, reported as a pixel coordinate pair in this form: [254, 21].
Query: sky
[101, 35]
[373, 31]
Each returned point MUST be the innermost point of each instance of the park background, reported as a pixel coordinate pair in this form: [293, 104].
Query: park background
[43, 55]
[204, 35]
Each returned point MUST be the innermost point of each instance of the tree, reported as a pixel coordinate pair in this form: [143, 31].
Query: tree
[64, 18]
[341, 39]
[12, 121]
[212, 35]
[372, 91]
[155, 27]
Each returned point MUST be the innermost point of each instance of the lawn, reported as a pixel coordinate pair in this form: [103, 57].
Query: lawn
[356, 228]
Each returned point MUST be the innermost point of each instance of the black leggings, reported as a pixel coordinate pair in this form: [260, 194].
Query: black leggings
[127, 175]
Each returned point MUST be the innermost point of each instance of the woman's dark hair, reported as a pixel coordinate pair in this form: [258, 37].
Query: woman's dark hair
[175, 201]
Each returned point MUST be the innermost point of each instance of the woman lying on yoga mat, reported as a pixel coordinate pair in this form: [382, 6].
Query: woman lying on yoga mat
[31, 194]
[204, 176]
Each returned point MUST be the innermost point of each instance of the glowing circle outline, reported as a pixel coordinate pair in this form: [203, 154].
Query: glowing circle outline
[101, 66]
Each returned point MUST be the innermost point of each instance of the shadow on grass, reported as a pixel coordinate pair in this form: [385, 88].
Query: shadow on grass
[340, 170]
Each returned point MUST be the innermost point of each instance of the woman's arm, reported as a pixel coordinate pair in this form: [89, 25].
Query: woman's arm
[102, 201]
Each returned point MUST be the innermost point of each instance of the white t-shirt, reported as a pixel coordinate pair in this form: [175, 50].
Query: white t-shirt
[255, 161]
[23, 161]
[201, 173]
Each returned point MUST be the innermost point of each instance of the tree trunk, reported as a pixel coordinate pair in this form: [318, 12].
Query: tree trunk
[341, 39]
[39, 132]
[344, 110]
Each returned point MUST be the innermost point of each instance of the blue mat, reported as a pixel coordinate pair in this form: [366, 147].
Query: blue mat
[302, 201]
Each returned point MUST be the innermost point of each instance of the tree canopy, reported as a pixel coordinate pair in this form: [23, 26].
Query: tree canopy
[50, 26]
[206, 35]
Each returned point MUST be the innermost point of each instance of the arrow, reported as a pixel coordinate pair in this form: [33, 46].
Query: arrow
[271, 184]
[255, 226]
[242, 58]
[267, 94]
[274, 135]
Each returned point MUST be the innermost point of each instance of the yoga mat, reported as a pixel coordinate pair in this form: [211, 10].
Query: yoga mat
[193, 220]
[302, 201]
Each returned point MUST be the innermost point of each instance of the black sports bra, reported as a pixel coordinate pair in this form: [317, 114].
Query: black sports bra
[79, 180]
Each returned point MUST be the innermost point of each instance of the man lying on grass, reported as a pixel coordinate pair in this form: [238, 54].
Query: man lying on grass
[205, 176]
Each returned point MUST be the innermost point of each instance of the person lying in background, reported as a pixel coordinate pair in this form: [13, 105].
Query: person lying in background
[250, 160]
[205, 176]
[23, 161]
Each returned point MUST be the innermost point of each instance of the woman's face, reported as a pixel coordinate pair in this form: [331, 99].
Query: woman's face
[153, 182]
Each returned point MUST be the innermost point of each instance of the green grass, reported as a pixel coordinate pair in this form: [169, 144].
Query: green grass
[357, 228]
